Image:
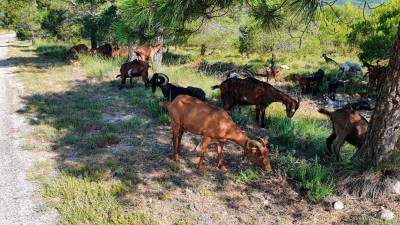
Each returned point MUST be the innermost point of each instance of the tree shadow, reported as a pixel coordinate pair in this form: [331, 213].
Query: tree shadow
[170, 58]
[215, 69]
[101, 133]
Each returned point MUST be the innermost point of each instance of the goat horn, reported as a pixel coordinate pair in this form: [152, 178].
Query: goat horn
[166, 79]
[248, 72]
[260, 140]
[256, 143]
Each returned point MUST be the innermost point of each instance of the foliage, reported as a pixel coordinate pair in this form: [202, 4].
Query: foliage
[375, 36]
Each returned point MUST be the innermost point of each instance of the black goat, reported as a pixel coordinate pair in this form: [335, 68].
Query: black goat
[171, 91]
[333, 85]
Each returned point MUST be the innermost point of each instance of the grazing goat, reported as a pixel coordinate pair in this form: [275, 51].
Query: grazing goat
[120, 52]
[335, 103]
[104, 51]
[171, 91]
[328, 60]
[333, 85]
[216, 126]
[132, 69]
[251, 91]
[75, 50]
[146, 52]
[349, 126]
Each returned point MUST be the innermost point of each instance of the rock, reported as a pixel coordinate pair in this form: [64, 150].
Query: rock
[386, 214]
[396, 187]
[204, 219]
[338, 205]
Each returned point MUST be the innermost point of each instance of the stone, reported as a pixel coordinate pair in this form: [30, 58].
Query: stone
[396, 187]
[204, 219]
[338, 205]
[386, 214]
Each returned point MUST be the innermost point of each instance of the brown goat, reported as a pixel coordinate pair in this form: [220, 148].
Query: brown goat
[216, 126]
[75, 50]
[349, 126]
[376, 75]
[104, 51]
[132, 69]
[251, 91]
[146, 52]
[307, 84]
[120, 52]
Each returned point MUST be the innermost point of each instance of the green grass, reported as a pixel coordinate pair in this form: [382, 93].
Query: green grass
[70, 111]
[314, 178]
[247, 176]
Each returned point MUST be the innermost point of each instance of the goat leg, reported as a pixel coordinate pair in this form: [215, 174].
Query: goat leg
[221, 165]
[258, 111]
[339, 141]
[123, 80]
[329, 141]
[176, 141]
[263, 117]
[204, 148]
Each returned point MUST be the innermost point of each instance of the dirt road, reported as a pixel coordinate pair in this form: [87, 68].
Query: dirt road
[17, 202]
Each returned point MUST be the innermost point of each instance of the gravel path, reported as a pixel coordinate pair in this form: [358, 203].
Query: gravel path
[17, 202]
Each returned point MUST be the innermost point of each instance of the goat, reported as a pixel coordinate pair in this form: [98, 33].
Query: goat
[328, 60]
[171, 91]
[146, 52]
[216, 126]
[307, 84]
[333, 85]
[132, 69]
[120, 52]
[75, 50]
[251, 91]
[335, 103]
[349, 126]
[104, 51]
[376, 74]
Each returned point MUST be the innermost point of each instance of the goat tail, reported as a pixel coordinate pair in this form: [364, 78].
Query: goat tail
[164, 104]
[324, 111]
[215, 87]
[119, 75]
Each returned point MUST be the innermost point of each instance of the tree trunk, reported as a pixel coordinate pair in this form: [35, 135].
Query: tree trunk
[33, 38]
[93, 38]
[131, 50]
[159, 55]
[384, 129]
[203, 49]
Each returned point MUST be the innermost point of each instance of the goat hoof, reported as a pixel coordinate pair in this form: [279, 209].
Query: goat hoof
[177, 160]
[201, 168]
[223, 169]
